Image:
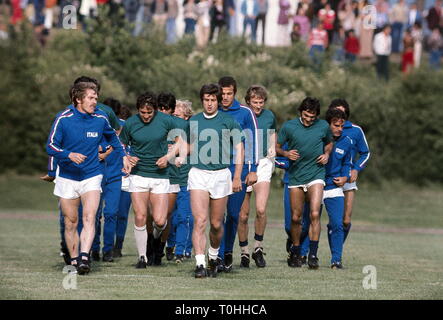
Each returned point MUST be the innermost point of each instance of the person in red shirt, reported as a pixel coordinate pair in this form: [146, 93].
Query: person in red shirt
[352, 46]
[327, 16]
[407, 59]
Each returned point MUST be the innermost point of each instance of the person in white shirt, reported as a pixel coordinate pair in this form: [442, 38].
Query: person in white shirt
[382, 49]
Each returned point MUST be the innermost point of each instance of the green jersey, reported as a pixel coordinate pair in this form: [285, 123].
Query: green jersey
[266, 126]
[309, 142]
[148, 142]
[113, 121]
[212, 140]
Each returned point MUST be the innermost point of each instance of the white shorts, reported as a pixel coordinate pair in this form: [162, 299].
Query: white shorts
[174, 188]
[125, 184]
[350, 186]
[72, 189]
[217, 182]
[144, 184]
[265, 169]
[333, 193]
[308, 185]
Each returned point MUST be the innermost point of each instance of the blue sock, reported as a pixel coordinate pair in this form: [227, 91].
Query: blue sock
[295, 250]
[346, 232]
[313, 248]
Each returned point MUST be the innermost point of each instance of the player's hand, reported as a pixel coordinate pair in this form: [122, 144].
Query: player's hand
[323, 159]
[251, 178]
[354, 176]
[77, 157]
[271, 153]
[236, 185]
[179, 162]
[127, 167]
[340, 181]
[133, 160]
[292, 155]
[162, 162]
[47, 178]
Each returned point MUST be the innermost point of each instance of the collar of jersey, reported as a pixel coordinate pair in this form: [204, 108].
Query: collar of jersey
[235, 106]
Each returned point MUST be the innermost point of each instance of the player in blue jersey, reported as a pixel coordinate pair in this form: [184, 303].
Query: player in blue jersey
[360, 157]
[248, 124]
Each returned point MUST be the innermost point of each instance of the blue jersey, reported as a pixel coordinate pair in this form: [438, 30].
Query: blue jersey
[113, 163]
[339, 163]
[73, 131]
[360, 145]
[283, 163]
[248, 123]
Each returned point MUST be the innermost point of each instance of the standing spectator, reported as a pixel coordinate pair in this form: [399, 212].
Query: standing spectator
[366, 34]
[249, 9]
[407, 60]
[159, 10]
[414, 15]
[417, 34]
[434, 16]
[263, 7]
[283, 22]
[317, 43]
[133, 9]
[217, 18]
[382, 14]
[352, 46]
[171, 29]
[190, 13]
[327, 16]
[347, 17]
[338, 43]
[302, 20]
[435, 44]
[203, 23]
[39, 18]
[382, 49]
[17, 12]
[399, 19]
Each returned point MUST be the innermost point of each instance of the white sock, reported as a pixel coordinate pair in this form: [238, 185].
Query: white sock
[258, 244]
[141, 239]
[157, 230]
[244, 249]
[213, 253]
[200, 260]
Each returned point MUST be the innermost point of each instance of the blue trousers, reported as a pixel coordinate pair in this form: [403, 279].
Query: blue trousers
[122, 218]
[109, 206]
[235, 202]
[335, 208]
[397, 32]
[251, 22]
[287, 205]
[184, 222]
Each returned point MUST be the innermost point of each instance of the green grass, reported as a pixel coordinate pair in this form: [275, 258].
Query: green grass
[408, 264]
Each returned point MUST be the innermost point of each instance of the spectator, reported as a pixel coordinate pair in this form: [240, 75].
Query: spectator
[327, 16]
[17, 12]
[352, 46]
[435, 44]
[203, 23]
[249, 9]
[414, 15]
[382, 49]
[338, 42]
[417, 34]
[283, 22]
[190, 13]
[159, 10]
[434, 16]
[171, 29]
[407, 60]
[317, 43]
[296, 33]
[262, 11]
[366, 34]
[382, 14]
[399, 19]
[347, 16]
[303, 21]
[217, 18]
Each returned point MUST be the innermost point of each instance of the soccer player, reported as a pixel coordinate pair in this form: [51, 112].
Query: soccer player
[74, 141]
[361, 148]
[255, 98]
[180, 234]
[147, 134]
[209, 182]
[337, 173]
[309, 142]
[248, 123]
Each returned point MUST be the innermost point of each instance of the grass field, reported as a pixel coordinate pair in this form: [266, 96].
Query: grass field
[398, 229]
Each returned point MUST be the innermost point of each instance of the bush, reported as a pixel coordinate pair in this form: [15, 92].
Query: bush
[402, 119]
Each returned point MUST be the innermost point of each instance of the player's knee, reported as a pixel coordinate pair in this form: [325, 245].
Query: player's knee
[216, 226]
[261, 212]
[297, 220]
[200, 224]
